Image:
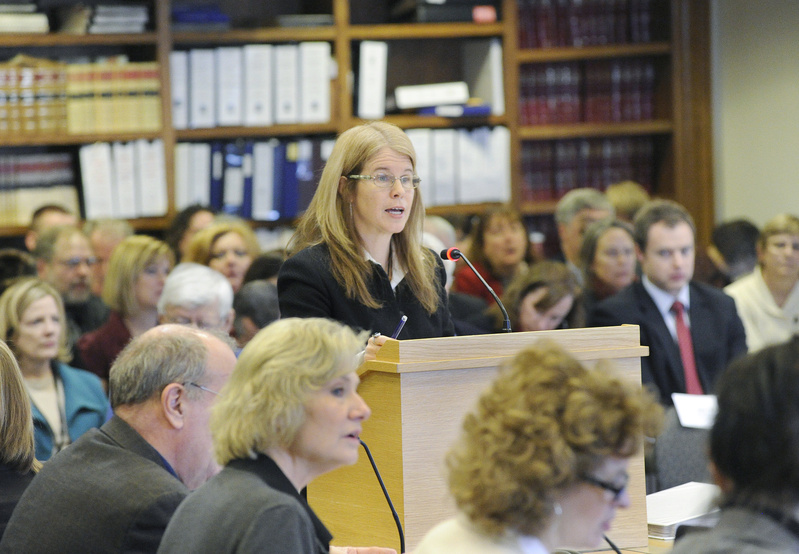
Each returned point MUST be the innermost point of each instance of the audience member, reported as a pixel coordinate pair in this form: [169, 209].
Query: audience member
[187, 223]
[768, 298]
[14, 264]
[731, 255]
[65, 260]
[627, 197]
[266, 266]
[256, 306]
[104, 235]
[574, 213]
[542, 298]
[357, 256]
[228, 247]
[136, 275]
[685, 353]
[607, 260]
[542, 460]
[197, 295]
[115, 489]
[753, 445]
[18, 463]
[66, 402]
[499, 249]
[290, 413]
[45, 217]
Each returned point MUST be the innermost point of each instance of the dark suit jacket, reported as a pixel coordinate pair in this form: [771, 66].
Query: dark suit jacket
[249, 507]
[110, 491]
[717, 332]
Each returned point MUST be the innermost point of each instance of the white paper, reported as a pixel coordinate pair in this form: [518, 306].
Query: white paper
[696, 411]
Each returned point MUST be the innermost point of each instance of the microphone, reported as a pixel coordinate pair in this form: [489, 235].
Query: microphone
[453, 254]
[388, 498]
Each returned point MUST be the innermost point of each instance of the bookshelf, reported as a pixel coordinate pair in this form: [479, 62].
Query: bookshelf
[679, 130]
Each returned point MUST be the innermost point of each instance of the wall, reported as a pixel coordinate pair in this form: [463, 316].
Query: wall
[755, 53]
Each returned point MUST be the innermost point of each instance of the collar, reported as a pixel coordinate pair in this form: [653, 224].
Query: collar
[531, 545]
[664, 300]
[397, 271]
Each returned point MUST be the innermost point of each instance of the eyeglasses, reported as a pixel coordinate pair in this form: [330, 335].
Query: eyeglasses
[387, 180]
[74, 263]
[206, 389]
[617, 490]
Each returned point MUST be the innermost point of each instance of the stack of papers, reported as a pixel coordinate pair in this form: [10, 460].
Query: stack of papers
[688, 504]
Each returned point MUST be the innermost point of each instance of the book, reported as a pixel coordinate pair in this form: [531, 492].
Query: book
[229, 85]
[457, 110]
[419, 96]
[151, 188]
[372, 63]
[483, 73]
[258, 96]
[98, 180]
[179, 85]
[314, 79]
[263, 160]
[286, 82]
[124, 184]
[687, 504]
[202, 95]
[24, 23]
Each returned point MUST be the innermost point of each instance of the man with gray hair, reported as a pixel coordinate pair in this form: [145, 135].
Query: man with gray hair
[197, 295]
[574, 213]
[115, 488]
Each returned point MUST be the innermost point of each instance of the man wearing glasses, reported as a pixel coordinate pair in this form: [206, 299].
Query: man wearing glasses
[64, 258]
[115, 488]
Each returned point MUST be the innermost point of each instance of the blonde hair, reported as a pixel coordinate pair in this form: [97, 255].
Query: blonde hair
[199, 249]
[782, 224]
[545, 422]
[17, 446]
[128, 261]
[17, 299]
[263, 404]
[328, 220]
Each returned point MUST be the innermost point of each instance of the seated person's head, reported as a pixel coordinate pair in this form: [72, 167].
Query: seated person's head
[545, 452]
[14, 264]
[734, 247]
[266, 266]
[197, 295]
[499, 241]
[755, 438]
[136, 274]
[256, 306]
[228, 247]
[64, 258]
[45, 217]
[574, 213]
[187, 223]
[607, 255]
[542, 297]
[17, 448]
[104, 235]
[627, 197]
[778, 248]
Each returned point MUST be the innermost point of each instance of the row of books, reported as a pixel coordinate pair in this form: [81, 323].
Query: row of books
[463, 166]
[550, 169]
[28, 181]
[253, 85]
[40, 96]
[259, 180]
[124, 179]
[552, 23]
[596, 91]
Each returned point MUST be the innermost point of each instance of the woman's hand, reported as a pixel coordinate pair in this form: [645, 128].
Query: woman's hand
[373, 345]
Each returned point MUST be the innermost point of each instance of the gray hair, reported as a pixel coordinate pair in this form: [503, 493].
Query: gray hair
[577, 200]
[192, 285]
[166, 354]
[117, 228]
[46, 243]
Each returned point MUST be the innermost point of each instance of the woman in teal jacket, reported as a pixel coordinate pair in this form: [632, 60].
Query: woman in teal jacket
[66, 402]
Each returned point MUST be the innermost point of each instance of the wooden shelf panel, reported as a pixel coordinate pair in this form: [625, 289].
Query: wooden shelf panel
[215, 133]
[266, 34]
[541, 207]
[45, 140]
[424, 31]
[588, 130]
[544, 55]
[62, 39]
[411, 121]
[465, 209]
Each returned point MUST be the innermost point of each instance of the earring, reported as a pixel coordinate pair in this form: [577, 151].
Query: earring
[557, 509]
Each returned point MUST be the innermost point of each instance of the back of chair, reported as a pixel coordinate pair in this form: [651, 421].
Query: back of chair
[680, 454]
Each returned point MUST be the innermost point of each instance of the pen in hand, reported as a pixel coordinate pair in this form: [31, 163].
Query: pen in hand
[401, 324]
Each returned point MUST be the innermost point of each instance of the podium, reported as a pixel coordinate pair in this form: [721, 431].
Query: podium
[419, 391]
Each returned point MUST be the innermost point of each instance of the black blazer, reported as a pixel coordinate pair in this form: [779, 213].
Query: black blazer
[717, 332]
[110, 491]
[306, 288]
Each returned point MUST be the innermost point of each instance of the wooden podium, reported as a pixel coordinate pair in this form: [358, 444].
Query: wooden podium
[419, 391]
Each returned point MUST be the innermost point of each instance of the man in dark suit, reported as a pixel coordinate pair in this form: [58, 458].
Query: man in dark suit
[115, 488]
[706, 317]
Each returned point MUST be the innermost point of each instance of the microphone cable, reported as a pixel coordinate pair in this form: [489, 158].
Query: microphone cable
[388, 498]
[613, 546]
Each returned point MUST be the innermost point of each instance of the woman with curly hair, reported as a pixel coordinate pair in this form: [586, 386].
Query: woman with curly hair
[542, 460]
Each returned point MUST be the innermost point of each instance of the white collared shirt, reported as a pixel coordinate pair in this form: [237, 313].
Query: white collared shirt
[665, 300]
[397, 271]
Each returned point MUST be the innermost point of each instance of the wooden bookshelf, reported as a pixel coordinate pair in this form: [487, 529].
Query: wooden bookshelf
[682, 126]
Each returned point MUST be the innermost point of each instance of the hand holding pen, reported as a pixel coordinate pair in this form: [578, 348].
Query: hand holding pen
[378, 339]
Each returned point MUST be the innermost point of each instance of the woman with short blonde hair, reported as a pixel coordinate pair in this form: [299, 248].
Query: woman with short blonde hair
[229, 247]
[136, 274]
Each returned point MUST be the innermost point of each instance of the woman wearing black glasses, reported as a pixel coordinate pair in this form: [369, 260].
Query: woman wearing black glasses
[357, 255]
[542, 460]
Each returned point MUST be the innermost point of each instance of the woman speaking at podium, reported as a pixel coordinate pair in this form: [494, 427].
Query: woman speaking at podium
[357, 255]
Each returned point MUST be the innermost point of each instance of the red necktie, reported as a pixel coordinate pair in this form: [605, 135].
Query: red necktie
[692, 384]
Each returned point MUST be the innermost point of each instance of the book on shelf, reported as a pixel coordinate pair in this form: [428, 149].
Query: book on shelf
[18, 7]
[179, 86]
[304, 20]
[287, 83]
[202, 89]
[257, 85]
[457, 110]
[24, 23]
[198, 17]
[314, 82]
[229, 81]
[434, 94]
[483, 72]
[372, 64]
[28, 181]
